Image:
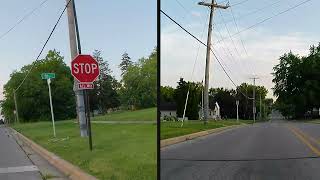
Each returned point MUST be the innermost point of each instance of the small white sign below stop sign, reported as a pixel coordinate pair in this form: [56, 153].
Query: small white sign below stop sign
[85, 68]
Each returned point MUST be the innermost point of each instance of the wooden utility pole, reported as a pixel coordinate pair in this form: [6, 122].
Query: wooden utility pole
[212, 6]
[237, 103]
[254, 99]
[260, 108]
[81, 114]
[16, 106]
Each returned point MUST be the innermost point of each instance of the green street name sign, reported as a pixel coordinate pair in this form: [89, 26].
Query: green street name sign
[48, 75]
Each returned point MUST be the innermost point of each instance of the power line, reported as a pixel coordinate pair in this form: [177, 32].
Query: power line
[183, 28]
[188, 11]
[223, 68]
[241, 40]
[254, 25]
[238, 3]
[228, 52]
[43, 46]
[235, 4]
[252, 12]
[198, 41]
[233, 43]
[181, 5]
[23, 18]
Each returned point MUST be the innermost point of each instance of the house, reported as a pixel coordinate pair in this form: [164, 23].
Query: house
[168, 110]
[316, 112]
[214, 112]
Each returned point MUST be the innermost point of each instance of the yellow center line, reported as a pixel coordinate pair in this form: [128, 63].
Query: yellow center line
[302, 136]
[309, 136]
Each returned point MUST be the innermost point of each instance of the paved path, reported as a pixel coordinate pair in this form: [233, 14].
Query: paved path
[19, 162]
[277, 150]
[14, 163]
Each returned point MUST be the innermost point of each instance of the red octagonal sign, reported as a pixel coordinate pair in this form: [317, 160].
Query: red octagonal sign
[85, 68]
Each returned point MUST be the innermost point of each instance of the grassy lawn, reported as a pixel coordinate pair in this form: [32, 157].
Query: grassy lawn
[121, 151]
[174, 129]
[149, 114]
[316, 121]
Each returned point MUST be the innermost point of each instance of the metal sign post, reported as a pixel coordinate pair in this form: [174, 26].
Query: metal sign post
[51, 107]
[86, 70]
[87, 105]
[48, 77]
[237, 103]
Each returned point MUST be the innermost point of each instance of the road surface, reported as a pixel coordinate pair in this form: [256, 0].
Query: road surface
[277, 150]
[14, 163]
[19, 162]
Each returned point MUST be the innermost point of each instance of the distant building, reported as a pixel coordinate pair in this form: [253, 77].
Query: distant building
[214, 112]
[168, 110]
[316, 112]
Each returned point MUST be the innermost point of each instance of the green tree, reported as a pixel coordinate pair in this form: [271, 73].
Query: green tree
[244, 94]
[194, 99]
[226, 100]
[32, 96]
[125, 63]
[104, 95]
[297, 83]
[166, 94]
[139, 83]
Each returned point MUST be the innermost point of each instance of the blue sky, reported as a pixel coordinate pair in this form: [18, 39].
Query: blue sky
[295, 30]
[110, 26]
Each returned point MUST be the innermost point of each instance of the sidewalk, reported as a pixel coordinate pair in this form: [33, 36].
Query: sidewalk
[18, 162]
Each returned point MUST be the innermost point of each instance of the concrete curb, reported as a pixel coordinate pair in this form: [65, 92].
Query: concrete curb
[73, 172]
[124, 122]
[175, 140]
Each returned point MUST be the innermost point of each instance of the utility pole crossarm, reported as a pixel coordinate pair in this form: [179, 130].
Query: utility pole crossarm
[213, 5]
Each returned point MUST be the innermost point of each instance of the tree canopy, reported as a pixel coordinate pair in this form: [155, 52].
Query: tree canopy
[104, 96]
[139, 83]
[33, 96]
[137, 88]
[297, 83]
[226, 98]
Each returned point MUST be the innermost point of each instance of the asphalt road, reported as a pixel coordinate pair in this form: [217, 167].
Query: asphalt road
[274, 150]
[14, 163]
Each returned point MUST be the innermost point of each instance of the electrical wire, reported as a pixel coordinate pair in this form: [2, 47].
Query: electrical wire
[252, 12]
[22, 19]
[194, 65]
[188, 11]
[256, 24]
[233, 43]
[235, 4]
[241, 40]
[53, 29]
[238, 3]
[223, 68]
[227, 50]
[181, 5]
[182, 28]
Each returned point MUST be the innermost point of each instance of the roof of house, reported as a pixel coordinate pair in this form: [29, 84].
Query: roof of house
[167, 106]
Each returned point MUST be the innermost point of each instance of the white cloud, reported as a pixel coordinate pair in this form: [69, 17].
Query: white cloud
[196, 14]
[178, 53]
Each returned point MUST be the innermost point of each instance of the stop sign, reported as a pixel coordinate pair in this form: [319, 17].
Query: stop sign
[85, 68]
